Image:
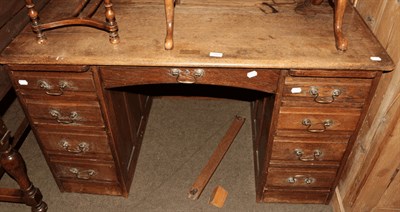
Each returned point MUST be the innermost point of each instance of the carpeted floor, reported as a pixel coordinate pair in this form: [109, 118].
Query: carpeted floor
[180, 137]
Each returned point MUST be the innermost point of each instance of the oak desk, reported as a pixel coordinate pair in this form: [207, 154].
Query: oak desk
[88, 100]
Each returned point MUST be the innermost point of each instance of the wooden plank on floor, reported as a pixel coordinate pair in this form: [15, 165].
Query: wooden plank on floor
[216, 158]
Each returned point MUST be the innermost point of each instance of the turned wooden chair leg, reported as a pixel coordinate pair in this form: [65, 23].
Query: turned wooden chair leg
[33, 15]
[110, 19]
[341, 41]
[13, 163]
[169, 14]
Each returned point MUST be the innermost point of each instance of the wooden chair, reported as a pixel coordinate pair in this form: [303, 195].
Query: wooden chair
[12, 162]
[340, 6]
[78, 17]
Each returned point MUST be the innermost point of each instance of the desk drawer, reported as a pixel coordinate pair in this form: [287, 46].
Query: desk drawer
[89, 145]
[84, 170]
[340, 92]
[308, 150]
[296, 196]
[300, 177]
[264, 80]
[82, 186]
[318, 120]
[55, 85]
[63, 114]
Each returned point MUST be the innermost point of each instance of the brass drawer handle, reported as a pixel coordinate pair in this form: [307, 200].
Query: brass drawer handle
[186, 76]
[80, 148]
[300, 155]
[73, 116]
[324, 100]
[47, 87]
[84, 174]
[325, 124]
[296, 178]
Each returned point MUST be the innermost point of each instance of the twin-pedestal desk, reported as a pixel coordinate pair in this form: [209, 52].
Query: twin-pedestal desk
[88, 100]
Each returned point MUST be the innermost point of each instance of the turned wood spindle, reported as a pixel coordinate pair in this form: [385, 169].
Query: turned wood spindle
[33, 15]
[110, 19]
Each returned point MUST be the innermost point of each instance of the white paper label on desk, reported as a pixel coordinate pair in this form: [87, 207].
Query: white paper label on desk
[22, 82]
[296, 90]
[378, 59]
[252, 74]
[216, 54]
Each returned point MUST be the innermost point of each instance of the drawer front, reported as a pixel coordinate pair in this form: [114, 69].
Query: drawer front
[295, 196]
[300, 177]
[323, 91]
[53, 85]
[262, 80]
[103, 188]
[88, 171]
[318, 120]
[65, 113]
[93, 145]
[308, 150]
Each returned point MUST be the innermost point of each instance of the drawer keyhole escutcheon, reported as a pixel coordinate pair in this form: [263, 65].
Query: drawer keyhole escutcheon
[73, 116]
[80, 148]
[297, 178]
[48, 88]
[187, 76]
[315, 157]
[325, 124]
[84, 174]
[324, 100]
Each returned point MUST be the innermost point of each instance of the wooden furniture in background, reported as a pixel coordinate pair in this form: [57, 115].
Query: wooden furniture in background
[371, 179]
[89, 106]
[76, 18]
[13, 19]
[14, 165]
[339, 9]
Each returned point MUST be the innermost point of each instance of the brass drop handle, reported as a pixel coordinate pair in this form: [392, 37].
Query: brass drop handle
[187, 76]
[300, 155]
[80, 148]
[296, 178]
[73, 116]
[324, 100]
[84, 174]
[47, 87]
[325, 124]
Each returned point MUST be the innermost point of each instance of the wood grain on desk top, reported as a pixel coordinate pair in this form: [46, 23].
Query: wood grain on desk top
[245, 35]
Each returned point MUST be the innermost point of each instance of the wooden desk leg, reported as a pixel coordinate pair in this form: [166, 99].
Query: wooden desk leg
[33, 15]
[110, 19]
[341, 41]
[169, 14]
[13, 163]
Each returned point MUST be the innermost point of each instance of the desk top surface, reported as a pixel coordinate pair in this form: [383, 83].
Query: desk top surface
[247, 36]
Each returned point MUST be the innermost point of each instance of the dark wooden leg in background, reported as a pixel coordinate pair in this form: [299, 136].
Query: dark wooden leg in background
[33, 15]
[341, 41]
[110, 19]
[316, 2]
[169, 15]
[14, 165]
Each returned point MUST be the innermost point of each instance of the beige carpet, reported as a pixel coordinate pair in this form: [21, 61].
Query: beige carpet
[181, 134]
